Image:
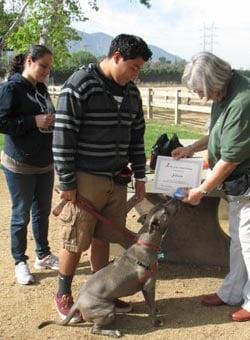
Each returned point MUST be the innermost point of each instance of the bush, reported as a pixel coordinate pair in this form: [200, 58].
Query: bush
[72, 64]
[162, 72]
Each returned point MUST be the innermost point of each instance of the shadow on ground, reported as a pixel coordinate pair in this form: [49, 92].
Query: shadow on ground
[175, 313]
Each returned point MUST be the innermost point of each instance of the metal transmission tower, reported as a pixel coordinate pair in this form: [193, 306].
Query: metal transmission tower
[209, 37]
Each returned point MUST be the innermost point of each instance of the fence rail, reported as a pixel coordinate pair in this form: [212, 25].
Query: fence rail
[175, 99]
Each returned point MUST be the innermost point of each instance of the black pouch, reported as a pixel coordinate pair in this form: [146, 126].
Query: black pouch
[172, 144]
[237, 186]
[163, 147]
[124, 177]
[157, 149]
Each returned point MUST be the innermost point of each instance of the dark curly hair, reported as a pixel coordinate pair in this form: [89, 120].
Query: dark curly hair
[130, 47]
[35, 51]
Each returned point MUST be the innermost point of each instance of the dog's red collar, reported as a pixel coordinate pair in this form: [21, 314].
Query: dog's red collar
[149, 246]
[149, 271]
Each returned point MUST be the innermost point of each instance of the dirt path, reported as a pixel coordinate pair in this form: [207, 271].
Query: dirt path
[178, 287]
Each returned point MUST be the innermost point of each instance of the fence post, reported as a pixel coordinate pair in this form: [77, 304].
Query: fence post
[149, 103]
[177, 115]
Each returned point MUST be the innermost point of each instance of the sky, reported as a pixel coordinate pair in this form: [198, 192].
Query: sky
[181, 27]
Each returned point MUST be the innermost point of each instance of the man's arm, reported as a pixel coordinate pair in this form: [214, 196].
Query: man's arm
[137, 156]
[66, 131]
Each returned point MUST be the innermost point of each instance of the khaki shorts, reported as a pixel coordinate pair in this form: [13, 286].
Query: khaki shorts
[78, 225]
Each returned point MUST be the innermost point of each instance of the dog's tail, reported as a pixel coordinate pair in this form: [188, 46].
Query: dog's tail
[49, 322]
[61, 322]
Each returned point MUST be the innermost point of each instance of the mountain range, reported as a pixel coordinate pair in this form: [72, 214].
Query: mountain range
[98, 44]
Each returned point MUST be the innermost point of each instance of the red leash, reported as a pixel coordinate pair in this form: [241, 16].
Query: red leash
[85, 204]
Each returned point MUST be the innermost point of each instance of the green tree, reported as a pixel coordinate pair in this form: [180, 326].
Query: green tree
[164, 60]
[71, 63]
[47, 22]
[9, 20]
[76, 60]
[5, 19]
[166, 73]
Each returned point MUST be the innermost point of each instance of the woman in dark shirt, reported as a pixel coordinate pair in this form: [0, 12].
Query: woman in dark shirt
[26, 119]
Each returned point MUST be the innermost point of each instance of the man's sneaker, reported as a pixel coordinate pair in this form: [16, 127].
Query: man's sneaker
[122, 306]
[48, 262]
[23, 275]
[63, 304]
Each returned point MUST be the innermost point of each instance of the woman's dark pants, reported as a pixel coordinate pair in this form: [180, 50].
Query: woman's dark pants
[29, 193]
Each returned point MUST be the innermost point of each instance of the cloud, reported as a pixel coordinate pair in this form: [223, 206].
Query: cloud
[178, 25]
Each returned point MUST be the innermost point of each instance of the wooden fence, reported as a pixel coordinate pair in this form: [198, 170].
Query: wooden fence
[170, 98]
[177, 100]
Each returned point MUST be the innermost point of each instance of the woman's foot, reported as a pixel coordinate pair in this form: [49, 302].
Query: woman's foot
[48, 262]
[241, 315]
[23, 275]
[212, 300]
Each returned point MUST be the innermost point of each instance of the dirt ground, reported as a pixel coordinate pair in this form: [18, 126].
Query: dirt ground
[177, 294]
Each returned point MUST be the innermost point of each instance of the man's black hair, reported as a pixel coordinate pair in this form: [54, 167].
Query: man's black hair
[130, 47]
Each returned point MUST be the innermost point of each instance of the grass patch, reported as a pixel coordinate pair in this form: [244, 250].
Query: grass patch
[153, 130]
[1, 141]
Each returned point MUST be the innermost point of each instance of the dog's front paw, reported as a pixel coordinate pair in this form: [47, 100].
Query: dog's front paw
[157, 323]
[108, 332]
[117, 333]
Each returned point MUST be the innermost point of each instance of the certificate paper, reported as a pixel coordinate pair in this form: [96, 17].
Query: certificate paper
[171, 174]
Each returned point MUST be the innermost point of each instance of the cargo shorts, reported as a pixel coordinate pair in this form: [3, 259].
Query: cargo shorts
[78, 225]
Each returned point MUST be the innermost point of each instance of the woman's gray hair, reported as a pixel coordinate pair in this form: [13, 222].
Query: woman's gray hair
[206, 72]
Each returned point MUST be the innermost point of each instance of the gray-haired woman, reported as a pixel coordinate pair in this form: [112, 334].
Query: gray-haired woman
[228, 147]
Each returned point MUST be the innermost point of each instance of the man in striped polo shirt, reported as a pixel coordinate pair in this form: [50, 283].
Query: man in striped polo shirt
[99, 129]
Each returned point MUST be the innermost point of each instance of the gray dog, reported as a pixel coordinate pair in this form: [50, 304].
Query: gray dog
[134, 271]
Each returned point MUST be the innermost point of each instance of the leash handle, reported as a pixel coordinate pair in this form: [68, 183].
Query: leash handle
[58, 209]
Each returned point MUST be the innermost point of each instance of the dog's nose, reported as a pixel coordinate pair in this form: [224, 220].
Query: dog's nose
[156, 222]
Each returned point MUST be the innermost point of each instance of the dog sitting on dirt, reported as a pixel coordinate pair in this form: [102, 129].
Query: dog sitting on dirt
[133, 271]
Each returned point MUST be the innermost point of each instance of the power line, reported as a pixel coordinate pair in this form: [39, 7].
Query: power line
[209, 37]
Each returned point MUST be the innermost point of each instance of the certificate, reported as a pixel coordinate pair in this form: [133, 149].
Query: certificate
[171, 174]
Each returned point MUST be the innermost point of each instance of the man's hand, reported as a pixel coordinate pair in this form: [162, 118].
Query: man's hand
[69, 195]
[139, 191]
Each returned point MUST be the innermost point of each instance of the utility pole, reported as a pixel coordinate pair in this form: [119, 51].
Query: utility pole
[208, 37]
